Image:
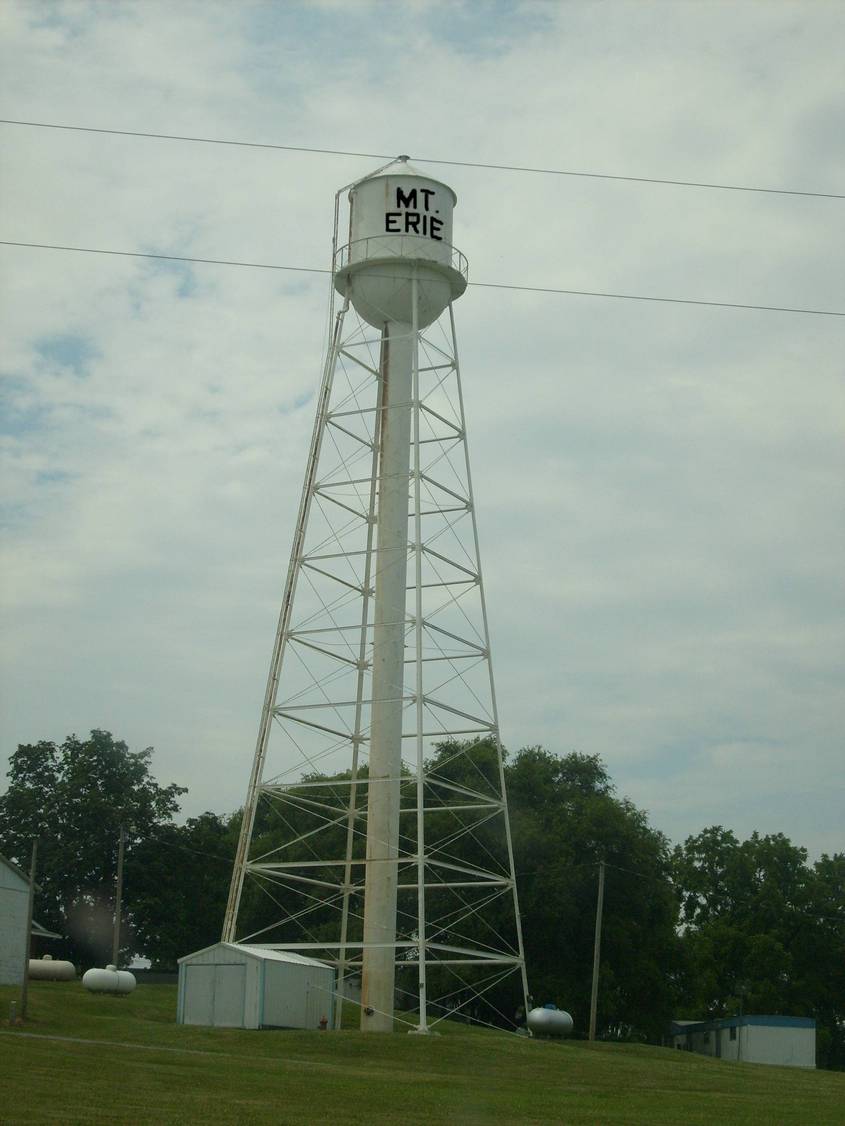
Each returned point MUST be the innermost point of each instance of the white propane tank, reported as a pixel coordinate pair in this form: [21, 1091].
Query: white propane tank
[109, 980]
[50, 969]
[400, 225]
[550, 1021]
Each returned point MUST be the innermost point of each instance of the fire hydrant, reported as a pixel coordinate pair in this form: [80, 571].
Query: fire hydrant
[324, 1023]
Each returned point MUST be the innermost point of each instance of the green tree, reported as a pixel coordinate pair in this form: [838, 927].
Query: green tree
[763, 931]
[823, 959]
[566, 818]
[74, 797]
[176, 884]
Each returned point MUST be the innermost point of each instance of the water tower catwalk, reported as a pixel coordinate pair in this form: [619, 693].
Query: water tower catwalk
[375, 833]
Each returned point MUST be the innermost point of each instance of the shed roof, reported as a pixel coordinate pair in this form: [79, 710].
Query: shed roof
[14, 868]
[260, 952]
[37, 929]
[42, 932]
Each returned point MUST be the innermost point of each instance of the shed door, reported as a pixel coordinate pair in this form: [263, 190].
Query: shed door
[229, 996]
[317, 1005]
[199, 995]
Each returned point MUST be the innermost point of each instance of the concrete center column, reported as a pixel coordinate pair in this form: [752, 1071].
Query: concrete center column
[385, 763]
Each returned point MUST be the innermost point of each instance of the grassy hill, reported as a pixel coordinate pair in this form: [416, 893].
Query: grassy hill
[86, 1058]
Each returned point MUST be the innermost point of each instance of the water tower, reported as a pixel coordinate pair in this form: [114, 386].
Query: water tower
[375, 832]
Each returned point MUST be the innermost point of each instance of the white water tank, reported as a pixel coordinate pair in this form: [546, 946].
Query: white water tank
[550, 1021]
[400, 226]
[109, 980]
[49, 968]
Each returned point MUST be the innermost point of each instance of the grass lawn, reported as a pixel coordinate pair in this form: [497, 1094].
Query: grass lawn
[144, 1068]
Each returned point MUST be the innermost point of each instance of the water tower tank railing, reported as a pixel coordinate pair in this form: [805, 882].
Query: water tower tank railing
[381, 247]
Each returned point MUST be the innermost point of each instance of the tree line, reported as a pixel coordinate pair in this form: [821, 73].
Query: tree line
[711, 927]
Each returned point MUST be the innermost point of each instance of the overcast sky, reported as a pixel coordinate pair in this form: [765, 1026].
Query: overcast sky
[659, 487]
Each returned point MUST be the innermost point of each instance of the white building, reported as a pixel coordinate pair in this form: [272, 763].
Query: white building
[788, 1041]
[14, 893]
[14, 901]
[235, 986]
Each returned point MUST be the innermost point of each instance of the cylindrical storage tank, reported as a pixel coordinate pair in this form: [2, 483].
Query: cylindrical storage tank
[400, 225]
[51, 969]
[391, 208]
[550, 1021]
[109, 980]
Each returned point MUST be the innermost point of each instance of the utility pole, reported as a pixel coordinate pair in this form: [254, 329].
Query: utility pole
[27, 949]
[597, 953]
[115, 950]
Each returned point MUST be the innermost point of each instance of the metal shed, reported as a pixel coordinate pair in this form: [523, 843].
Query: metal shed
[235, 986]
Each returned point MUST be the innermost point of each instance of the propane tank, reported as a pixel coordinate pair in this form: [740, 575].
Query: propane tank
[50, 969]
[109, 980]
[550, 1021]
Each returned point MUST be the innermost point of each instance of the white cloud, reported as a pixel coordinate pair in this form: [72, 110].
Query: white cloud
[659, 487]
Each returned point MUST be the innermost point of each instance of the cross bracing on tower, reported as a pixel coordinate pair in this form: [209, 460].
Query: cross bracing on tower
[400, 873]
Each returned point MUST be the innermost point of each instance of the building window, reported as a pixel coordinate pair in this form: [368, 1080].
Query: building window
[733, 1033]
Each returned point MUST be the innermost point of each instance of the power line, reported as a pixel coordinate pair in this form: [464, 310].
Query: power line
[666, 300]
[477, 285]
[168, 257]
[634, 179]
[187, 848]
[426, 160]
